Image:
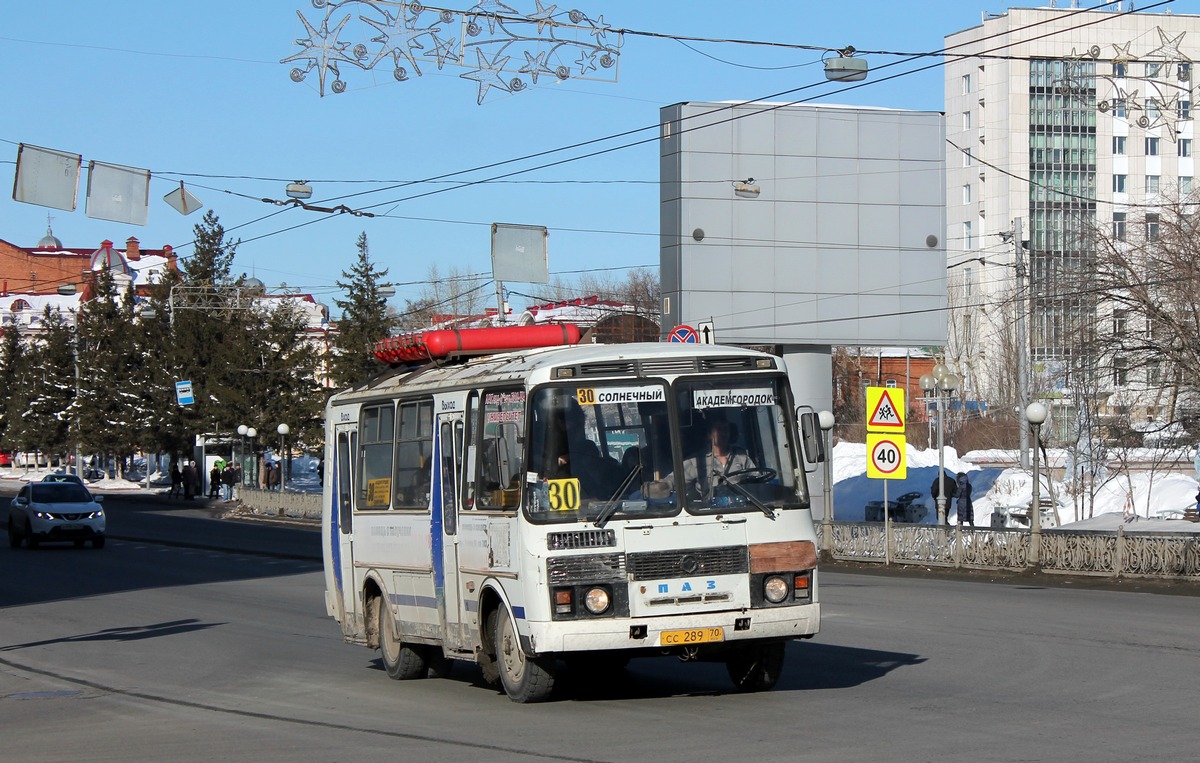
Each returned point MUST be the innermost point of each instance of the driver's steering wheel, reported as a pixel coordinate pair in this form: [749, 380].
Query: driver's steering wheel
[761, 474]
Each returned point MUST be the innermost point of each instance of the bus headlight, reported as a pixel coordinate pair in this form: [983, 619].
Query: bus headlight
[775, 589]
[597, 600]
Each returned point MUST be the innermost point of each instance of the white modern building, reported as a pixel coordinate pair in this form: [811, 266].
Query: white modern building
[1060, 123]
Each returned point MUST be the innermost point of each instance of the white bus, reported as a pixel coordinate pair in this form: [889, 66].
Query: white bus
[583, 503]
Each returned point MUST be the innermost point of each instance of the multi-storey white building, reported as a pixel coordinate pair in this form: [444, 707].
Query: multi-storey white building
[1060, 124]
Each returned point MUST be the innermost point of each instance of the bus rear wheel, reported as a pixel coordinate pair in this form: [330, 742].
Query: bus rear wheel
[525, 678]
[756, 667]
[402, 661]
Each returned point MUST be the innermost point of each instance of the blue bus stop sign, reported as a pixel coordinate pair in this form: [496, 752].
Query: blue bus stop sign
[183, 393]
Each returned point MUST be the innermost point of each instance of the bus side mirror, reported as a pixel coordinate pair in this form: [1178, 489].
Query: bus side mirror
[810, 435]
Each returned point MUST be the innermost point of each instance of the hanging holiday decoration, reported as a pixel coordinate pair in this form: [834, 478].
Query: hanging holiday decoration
[503, 49]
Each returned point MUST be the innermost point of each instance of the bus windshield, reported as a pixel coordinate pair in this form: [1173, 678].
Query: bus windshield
[594, 447]
[736, 451]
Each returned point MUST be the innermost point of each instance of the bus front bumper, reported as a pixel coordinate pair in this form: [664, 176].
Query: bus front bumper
[674, 631]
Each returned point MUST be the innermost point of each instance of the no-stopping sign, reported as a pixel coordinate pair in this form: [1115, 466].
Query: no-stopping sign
[885, 457]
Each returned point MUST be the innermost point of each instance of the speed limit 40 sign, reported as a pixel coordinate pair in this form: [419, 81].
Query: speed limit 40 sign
[885, 457]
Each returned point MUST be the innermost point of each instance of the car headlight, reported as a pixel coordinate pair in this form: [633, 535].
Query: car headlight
[775, 589]
[597, 600]
[97, 514]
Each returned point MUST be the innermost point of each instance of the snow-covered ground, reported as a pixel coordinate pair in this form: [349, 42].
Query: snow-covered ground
[1135, 500]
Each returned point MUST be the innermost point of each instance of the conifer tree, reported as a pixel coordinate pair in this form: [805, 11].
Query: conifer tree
[109, 362]
[365, 319]
[12, 397]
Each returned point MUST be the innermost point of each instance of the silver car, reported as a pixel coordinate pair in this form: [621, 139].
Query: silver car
[55, 511]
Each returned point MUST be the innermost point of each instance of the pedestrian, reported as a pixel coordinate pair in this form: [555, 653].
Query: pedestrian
[214, 482]
[951, 490]
[966, 510]
[189, 481]
[176, 481]
[228, 480]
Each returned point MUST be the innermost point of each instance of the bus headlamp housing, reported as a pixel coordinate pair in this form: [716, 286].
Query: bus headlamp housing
[775, 589]
[597, 600]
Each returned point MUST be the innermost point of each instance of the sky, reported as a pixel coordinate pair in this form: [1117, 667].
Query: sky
[195, 92]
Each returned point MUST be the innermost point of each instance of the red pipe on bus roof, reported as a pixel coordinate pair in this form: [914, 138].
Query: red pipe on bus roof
[434, 345]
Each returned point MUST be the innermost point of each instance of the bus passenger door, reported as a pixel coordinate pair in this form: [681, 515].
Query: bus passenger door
[341, 525]
[448, 582]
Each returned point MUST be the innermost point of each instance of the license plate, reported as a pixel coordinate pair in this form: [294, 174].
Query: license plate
[70, 527]
[691, 636]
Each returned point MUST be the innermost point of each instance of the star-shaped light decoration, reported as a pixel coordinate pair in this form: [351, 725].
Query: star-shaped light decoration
[1169, 49]
[322, 50]
[543, 16]
[490, 9]
[600, 29]
[488, 74]
[1122, 55]
[445, 51]
[398, 37]
[586, 61]
[535, 65]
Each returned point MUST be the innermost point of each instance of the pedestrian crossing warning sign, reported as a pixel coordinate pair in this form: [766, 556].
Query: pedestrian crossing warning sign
[885, 409]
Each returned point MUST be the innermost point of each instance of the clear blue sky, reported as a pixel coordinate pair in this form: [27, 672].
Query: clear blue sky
[197, 87]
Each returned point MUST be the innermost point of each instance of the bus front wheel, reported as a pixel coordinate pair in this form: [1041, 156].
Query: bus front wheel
[756, 667]
[402, 661]
[525, 678]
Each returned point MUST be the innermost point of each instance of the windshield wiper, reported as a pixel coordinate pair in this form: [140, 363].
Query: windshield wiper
[743, 492]
[613, 503]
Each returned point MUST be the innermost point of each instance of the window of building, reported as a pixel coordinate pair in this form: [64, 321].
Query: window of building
[966, 120]
[1183, 109]
[1120, 322]
[1119, 183]
[968, 279]
[1121, 371]
[1152, 182]
[1185, 147]
[1153, 373]
[1151, 146]
[377, 432]
[1118, 68]
[1153, 69]
[1185, 185]
[1153, 110]
[1119, 108]
[1184, 72]
[967, 194]
[1118, 145]
[1152, 226]
[966, 84]
[967, 159]
[889, 383]
[968, 236]
[1119, 226]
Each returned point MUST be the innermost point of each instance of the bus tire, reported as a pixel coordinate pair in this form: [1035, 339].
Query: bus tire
[486, 654]
[525, 678]
[756, 667]
[403, 662]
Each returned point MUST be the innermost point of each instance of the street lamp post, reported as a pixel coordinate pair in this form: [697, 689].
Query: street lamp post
[241, 430]
[1035, 414]
[942, 383]
[826, 420]
[283, 430]
[251, 433]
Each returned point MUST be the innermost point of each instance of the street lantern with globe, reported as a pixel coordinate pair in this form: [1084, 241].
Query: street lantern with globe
[1035, 414]
[283, 430]
[940, 384]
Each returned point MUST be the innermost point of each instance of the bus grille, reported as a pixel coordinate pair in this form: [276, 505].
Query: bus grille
[585, 569]
[581, 539]
[657, 565]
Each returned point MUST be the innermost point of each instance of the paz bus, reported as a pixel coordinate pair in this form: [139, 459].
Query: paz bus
[521, 501]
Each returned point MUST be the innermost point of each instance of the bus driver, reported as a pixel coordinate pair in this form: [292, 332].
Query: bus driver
[721, 460]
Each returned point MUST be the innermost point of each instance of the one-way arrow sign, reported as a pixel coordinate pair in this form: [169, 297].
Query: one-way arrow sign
[708, 335]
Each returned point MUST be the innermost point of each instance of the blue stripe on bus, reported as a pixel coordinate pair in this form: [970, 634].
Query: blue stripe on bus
[519, 613]
[335, 542]
[410, 600]
[438, 544]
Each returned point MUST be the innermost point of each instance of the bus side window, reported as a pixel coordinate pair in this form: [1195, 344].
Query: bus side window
[377, 432]
[344, 449]
[500, 454]
[468, 492]
[413, 449]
